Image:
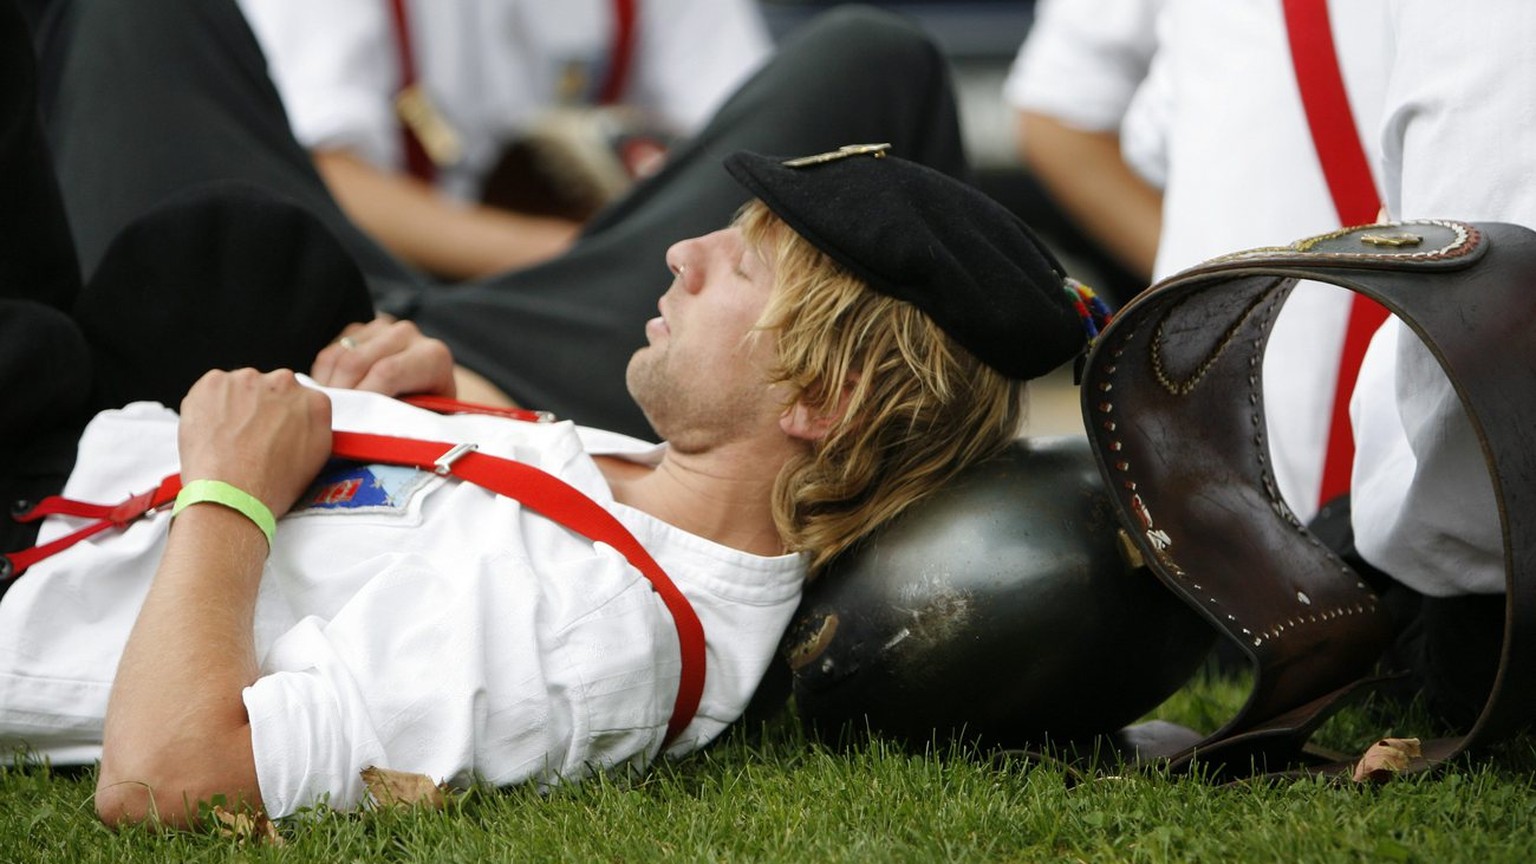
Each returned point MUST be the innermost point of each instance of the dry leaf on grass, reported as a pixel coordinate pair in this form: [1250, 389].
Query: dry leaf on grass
[246, 827]
[1386, 759]
[403, 789]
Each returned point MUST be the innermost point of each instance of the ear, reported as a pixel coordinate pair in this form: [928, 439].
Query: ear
[809, 424]
[800, 421]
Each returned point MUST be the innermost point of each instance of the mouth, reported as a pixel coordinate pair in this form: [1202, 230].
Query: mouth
[658, 326]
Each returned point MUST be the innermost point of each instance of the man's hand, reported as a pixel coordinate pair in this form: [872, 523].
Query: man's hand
[386, 356]
[264, 433]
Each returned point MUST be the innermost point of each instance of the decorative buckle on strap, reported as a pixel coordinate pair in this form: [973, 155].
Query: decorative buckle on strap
[444, 464]
[145, 502]
[132, 508]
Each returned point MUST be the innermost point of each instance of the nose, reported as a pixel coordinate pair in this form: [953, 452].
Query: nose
[685, 259]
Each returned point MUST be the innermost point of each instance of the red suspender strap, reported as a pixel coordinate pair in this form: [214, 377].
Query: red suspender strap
[448, 405]
[1355, 199]
[1343, 159]
[539, 491]
[107, 516]
[553, 498]
[417, 162]
[622, 56]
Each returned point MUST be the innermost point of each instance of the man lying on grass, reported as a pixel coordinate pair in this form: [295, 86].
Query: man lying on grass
[860, 332]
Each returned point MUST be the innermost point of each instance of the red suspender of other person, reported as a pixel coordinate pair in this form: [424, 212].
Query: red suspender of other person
[1355, 199]
[429, 141]
[622, 55]
[415, 111]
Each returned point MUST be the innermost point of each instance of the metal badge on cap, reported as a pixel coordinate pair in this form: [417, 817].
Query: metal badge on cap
[876, 150]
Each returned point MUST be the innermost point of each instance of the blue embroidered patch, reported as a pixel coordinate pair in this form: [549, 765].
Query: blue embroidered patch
[355, 488]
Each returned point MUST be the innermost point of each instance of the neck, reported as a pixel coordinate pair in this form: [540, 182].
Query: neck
[722, 495]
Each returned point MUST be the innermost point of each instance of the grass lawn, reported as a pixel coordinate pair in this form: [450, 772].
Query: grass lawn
[775, 797]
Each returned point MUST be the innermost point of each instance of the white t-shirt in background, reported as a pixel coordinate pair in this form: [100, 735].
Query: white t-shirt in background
[492, 67]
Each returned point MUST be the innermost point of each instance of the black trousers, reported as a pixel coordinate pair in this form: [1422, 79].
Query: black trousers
[44, 364]
[146, 100]
[220, 274]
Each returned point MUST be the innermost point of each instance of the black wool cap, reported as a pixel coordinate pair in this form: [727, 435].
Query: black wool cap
[921, 236]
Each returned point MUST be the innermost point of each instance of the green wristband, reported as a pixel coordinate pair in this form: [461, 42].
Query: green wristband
[233, 497]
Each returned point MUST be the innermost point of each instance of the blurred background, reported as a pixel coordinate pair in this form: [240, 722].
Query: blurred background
[981, 39]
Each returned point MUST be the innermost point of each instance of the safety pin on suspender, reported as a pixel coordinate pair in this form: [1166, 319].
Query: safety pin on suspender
[444, 464]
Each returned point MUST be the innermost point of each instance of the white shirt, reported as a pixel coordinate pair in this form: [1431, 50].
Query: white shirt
[1083, 60]
[407, 621]
[1459, 140]
[493, 66]
[1219, 121]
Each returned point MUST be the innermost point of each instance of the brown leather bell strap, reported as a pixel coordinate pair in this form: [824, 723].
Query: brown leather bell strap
[1173, 401]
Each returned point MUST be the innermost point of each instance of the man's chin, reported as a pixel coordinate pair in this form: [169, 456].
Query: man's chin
[636, 381]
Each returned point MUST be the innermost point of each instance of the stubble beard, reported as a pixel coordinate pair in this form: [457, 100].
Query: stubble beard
[689, 419]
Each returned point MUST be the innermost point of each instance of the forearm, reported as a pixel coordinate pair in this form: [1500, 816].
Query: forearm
[176, 728]
[1087, 175]
[452, 240]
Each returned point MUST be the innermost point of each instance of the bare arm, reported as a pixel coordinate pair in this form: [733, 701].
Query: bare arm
[452, 240]
[1087, 175]
[176, 730]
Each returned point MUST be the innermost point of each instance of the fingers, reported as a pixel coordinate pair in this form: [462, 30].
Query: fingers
[265, 433]
[386, 356]
[424, 366]
[341, 364]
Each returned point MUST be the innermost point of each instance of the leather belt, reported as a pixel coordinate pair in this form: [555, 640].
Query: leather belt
[1173, 402]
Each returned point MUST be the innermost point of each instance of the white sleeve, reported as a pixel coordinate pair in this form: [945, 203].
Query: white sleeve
[1459, 129]
[1145, 128]
[457, 660]
[402, 677]
[1083, 60]
[1421, 500]
[692, 54]
[335, 67]
[310, 738]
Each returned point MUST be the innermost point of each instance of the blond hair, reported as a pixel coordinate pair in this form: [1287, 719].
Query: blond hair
[908, 407]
